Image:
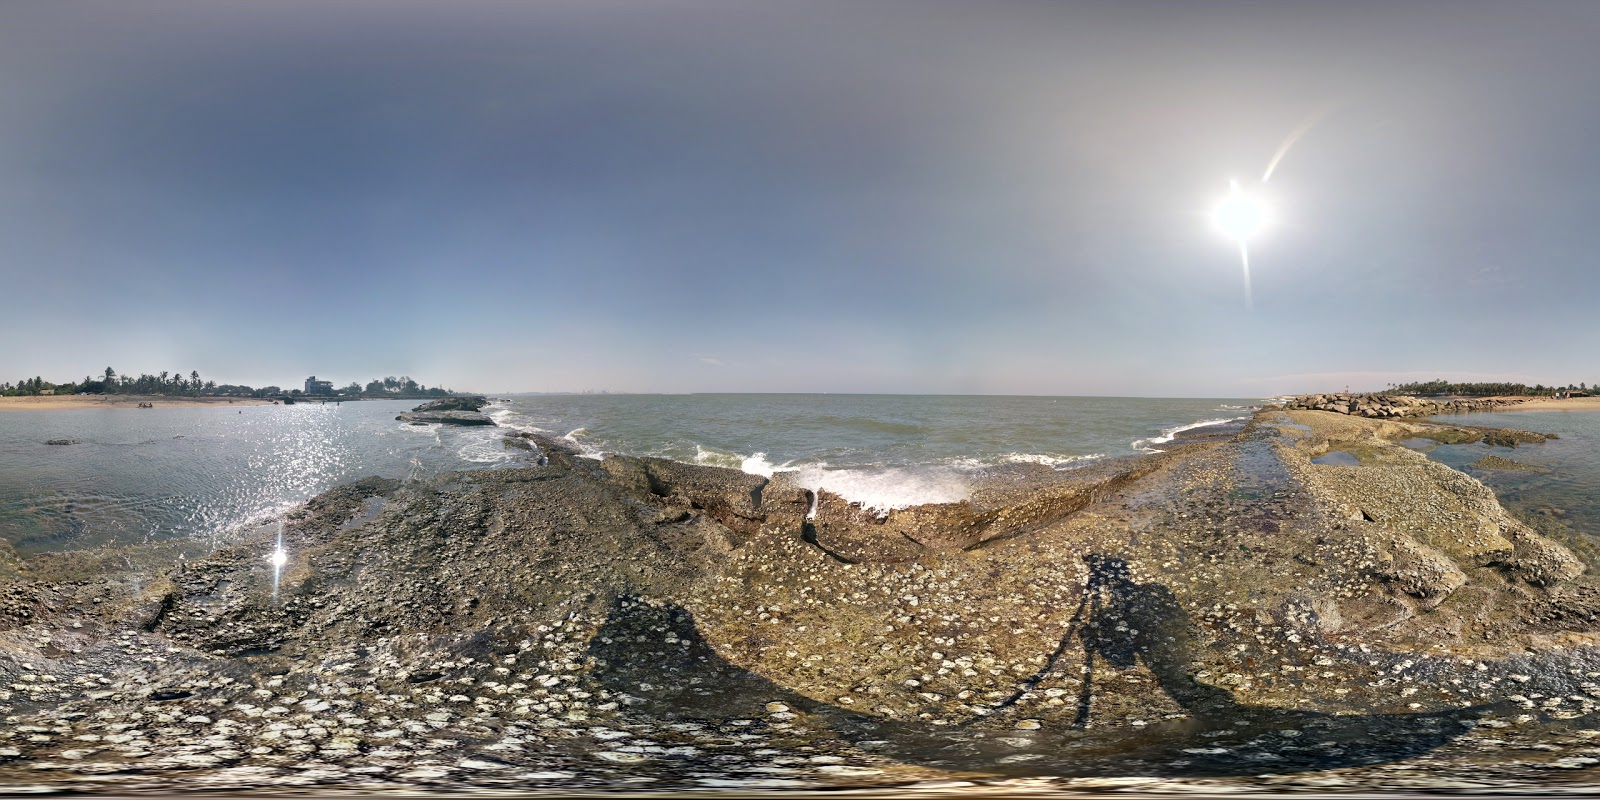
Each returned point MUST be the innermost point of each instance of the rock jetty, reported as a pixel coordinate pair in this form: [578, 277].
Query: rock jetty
[1230, 614]
[1388, 406]
[449, 411]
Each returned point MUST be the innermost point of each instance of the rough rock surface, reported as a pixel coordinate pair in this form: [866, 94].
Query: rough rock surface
[445, 418]
[1222, 615]
[462, 403]
[1380, 406]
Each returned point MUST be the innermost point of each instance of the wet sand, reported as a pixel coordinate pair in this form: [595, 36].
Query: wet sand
[64, 402]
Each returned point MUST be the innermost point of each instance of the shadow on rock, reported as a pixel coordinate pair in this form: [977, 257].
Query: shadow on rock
[654, 654]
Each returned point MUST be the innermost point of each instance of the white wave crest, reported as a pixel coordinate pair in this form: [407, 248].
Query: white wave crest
[480, 448]
[882, 490]
[506, 418]
[1048, 459]
[1168, 434]
[586, 449]
[1054, 460]
[877, 489]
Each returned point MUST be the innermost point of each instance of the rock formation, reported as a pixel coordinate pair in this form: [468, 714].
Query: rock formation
[1383, 406]
[461, 403]
[1205, 616]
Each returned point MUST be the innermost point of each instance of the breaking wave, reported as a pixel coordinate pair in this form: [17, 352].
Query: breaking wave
[882, 490]
[1168, 434]
[586, 449]
[1043, 459]
[506, 418]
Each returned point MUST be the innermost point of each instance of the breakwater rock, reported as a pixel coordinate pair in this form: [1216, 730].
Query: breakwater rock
[1228, 613]
[463, 403]
[1386, 406]
[445, 418]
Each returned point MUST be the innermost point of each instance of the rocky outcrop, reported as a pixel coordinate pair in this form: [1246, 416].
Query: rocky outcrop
[1196, 617]
[462, 403]
[1428, 531]
[445, 418]
[733, 499]
[1505, 465]
[1387, 406]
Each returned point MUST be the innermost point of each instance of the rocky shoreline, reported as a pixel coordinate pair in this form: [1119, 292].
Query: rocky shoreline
[1376, 405]
[1236, 612]
[466, 410]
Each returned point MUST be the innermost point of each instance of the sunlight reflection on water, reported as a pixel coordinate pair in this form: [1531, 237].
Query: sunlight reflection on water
[140, 475]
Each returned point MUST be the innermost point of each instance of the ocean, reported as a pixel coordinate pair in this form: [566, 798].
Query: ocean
[141, 475]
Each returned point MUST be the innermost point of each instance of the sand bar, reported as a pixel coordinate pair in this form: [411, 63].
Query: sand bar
[65, 402]
[1552, 404]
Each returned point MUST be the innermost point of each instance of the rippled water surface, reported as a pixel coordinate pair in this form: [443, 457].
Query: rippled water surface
[1564, 486]
[867, 430]
[137, 475]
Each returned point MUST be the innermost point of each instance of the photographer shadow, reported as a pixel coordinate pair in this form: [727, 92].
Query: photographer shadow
[655, 655]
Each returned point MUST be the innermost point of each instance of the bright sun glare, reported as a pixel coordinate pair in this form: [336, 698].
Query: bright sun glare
[1239, 216]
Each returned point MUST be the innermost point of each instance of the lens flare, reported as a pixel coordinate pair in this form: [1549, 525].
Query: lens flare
[1239, 216]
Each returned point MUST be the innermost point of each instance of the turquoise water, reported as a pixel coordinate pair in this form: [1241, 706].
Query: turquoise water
[139, 475]
[1569, 493]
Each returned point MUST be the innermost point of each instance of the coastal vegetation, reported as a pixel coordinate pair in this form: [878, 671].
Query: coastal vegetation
[1439, 387]
[176, 384]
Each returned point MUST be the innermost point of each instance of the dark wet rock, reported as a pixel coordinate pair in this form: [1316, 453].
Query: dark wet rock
[730, 497]
[464, 403]
[445, 418]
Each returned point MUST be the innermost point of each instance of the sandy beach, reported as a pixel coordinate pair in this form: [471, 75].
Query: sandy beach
[1552, 404]
[62, 402]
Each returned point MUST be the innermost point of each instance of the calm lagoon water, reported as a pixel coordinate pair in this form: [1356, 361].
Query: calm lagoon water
[1568, 492]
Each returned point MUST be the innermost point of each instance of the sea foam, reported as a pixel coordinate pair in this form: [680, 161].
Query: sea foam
[1168, 434]
[882, 490]
[878, 489]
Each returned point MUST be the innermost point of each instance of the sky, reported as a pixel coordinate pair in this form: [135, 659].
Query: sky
[903, 197]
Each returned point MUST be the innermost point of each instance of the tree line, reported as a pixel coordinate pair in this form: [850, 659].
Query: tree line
[1435, 388]
[191, 385]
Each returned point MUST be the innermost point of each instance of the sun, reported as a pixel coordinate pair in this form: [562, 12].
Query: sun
[1239, 216]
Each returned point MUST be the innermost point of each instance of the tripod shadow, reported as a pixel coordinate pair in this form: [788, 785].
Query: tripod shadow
[654, 654]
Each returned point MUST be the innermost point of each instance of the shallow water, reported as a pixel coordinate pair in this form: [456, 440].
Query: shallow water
[1567, 492]
[1337, 458]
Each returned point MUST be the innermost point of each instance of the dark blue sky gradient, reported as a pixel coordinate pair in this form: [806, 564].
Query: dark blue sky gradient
[995, 197]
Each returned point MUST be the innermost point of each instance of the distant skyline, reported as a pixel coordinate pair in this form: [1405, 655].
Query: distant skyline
[889, 197]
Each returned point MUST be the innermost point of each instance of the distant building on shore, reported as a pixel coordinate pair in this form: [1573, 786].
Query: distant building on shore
[314, 386]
